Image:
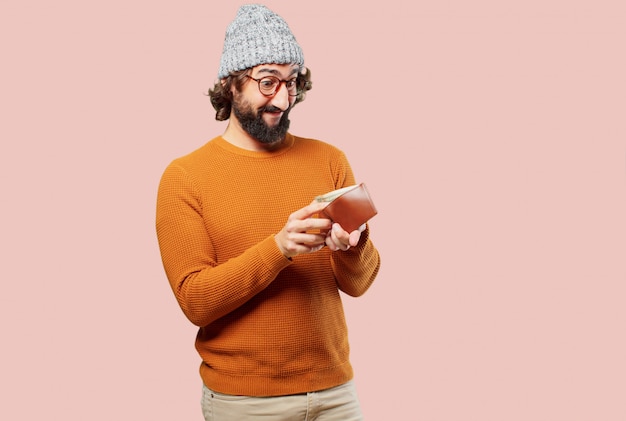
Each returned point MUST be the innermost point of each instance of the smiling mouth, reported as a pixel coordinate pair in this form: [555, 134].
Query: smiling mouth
[271, 110]
[274, 115]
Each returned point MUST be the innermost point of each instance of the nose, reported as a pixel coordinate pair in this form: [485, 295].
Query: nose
[281, 98]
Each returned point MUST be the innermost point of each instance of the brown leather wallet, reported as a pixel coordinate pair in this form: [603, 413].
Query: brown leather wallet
[350, 206]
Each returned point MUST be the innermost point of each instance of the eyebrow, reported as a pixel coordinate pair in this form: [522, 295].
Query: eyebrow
[276, 72]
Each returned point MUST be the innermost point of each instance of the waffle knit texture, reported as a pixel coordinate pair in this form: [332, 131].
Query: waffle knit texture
[258, 36]
[268, 325]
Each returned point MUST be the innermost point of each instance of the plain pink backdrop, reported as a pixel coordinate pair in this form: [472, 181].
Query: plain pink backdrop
[491, 135]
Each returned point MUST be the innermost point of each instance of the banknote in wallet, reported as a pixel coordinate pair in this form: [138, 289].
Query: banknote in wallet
[350, 206]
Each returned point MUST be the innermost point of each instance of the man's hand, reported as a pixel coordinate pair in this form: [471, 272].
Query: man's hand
[303, 233]
[338, 239]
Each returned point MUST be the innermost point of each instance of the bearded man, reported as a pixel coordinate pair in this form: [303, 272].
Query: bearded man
[248, 258]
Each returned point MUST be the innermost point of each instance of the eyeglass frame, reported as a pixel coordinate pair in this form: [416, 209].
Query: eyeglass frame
[280, 82]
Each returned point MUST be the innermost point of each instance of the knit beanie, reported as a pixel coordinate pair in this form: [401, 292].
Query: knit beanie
[258, 36]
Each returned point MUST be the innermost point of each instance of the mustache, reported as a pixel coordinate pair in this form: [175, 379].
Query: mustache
[272, 109]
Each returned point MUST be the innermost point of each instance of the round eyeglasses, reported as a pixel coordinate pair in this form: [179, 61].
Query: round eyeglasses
[269, 85]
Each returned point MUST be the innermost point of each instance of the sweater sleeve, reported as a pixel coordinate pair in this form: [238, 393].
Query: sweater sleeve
[356, 268]
[204, 289]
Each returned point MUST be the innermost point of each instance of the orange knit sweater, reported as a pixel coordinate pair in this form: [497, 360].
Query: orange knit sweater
[268, 325]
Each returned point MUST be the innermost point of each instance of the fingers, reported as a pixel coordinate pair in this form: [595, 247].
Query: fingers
[354, 237]
[305, 219]
[303, 233]
[293, 243]
[308, 211]
[339, 239]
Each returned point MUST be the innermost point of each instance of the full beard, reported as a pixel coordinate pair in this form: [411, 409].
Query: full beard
[256, 127]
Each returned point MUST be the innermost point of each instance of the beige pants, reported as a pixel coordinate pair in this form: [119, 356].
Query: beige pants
[337, 404]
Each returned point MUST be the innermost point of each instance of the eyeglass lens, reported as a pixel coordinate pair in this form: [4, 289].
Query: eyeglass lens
[269, 85]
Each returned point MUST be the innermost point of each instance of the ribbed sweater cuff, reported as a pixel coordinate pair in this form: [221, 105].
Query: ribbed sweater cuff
[272, 256]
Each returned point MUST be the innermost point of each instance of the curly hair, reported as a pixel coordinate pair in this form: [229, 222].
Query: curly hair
[222, 97]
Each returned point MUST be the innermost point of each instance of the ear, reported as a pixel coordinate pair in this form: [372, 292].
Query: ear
[233, 87]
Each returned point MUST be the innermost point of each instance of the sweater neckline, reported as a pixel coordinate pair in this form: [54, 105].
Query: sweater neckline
[226, 145]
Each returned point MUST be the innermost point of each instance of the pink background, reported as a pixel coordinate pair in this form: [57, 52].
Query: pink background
[492, 137]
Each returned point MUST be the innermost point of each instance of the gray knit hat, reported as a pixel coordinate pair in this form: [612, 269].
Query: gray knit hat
[258, 36]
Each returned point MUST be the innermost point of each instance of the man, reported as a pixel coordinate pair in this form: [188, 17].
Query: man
[247, 256]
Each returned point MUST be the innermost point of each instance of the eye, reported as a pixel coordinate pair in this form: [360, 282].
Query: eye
[268, 83]
[291, 83]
